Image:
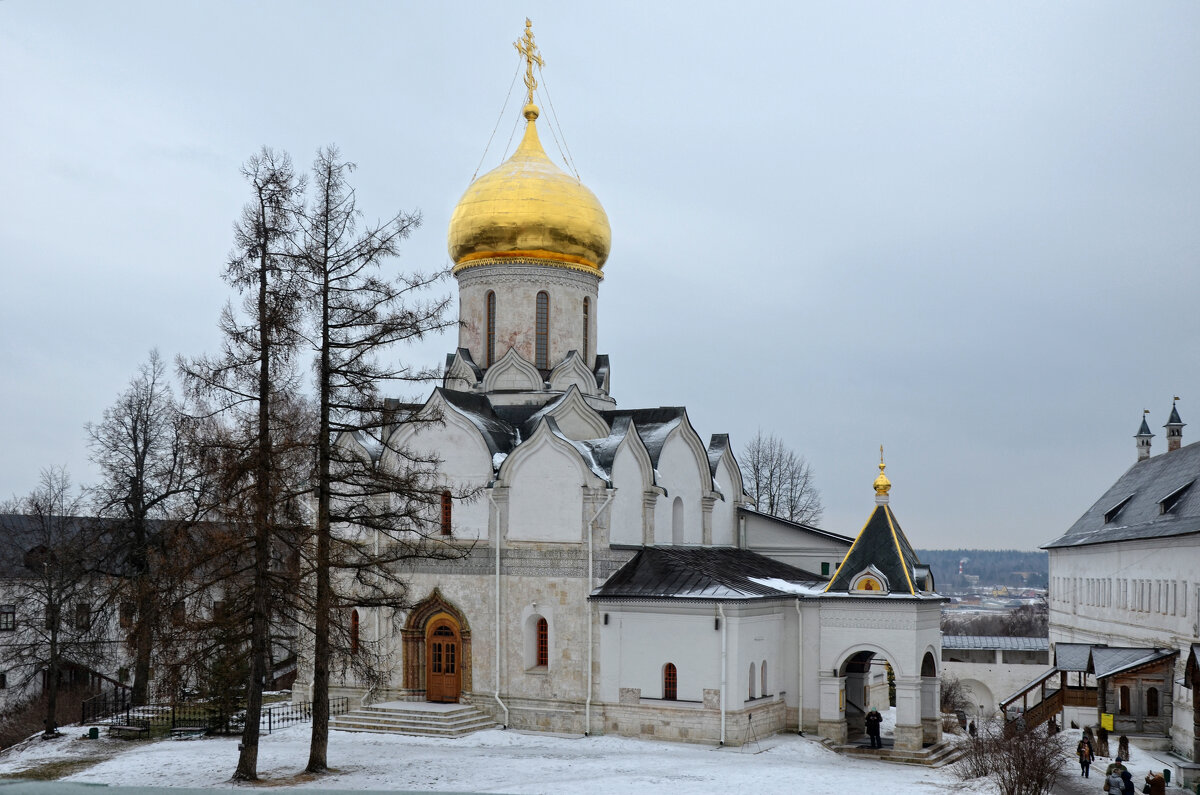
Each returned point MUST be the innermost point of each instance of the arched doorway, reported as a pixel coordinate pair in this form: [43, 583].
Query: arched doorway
[443, 658]
[866, 686]
[437, 651]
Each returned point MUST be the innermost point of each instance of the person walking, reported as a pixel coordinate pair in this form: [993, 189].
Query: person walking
[1084, 751]
[874, 720]
[1113, 784]
[1127, 783]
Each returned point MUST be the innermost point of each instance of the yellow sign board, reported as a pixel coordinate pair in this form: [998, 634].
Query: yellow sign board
[1106, 721]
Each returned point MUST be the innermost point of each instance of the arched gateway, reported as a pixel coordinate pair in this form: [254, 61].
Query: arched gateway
[880, 606]
[437, 651]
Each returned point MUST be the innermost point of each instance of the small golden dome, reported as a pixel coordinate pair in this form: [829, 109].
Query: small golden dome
[882, 484]
[527, 207]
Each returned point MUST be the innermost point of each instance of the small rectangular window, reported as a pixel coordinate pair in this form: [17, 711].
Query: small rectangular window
[178, 614]
[825, 568]
[83, 616]
[3, 680]
[8, 618]
[447, 513]
[128, 612]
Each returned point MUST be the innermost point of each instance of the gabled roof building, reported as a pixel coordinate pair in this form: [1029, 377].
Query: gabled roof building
[1125, 585]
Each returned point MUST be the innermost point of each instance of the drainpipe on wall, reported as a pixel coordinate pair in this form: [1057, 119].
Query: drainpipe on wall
[741, 542]
[496, 539]
[799, 670]
[587, 707]
[724, 653]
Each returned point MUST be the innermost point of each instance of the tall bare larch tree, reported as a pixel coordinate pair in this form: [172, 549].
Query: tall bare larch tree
[371, 514]
[250, 389]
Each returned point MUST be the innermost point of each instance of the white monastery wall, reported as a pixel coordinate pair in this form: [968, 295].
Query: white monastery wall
[1132, 593]
[466, 465]
[546, 496]
[724, 512]
[793, 546]
[627, 504]
[680, 476]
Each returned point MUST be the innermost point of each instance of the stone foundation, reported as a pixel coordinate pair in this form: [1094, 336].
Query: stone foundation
[931, 730]
[910, 738]
[834, 730]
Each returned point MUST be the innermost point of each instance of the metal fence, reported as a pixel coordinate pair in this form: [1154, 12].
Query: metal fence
[117, 711]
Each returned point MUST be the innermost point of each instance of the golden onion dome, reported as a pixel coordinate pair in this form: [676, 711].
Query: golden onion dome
[882, 485]
[529, 208]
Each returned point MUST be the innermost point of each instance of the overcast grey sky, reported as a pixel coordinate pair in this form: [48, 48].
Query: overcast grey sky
[966, 231]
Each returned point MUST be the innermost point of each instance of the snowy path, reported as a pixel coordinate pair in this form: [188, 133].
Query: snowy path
[502, 762]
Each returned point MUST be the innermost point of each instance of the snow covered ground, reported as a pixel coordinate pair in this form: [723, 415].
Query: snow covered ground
[489, 761]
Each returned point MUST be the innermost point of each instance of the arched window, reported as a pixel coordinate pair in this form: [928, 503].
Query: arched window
[752, 678]
[670, 682]
[543, 642]
[447, 513]
[1123, 700]
[587, 321]
[1152, 703]
[677, 521]
[763, 676]
[541, 353]
[354, 632]
[491, 328]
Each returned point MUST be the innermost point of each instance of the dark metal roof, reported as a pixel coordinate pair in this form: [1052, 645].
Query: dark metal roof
[1174, 418]
[993, 642]
[881, 544]
[716, 447]
[1111, 660]
[654, 425]
[706, 574]
[1192, 670]
[1146, 483]
[1145, 429]
[1072, 656]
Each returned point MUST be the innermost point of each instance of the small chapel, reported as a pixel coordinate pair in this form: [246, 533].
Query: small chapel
[614, 578]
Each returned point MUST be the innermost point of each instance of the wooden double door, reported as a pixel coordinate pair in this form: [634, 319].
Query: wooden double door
[443, 661]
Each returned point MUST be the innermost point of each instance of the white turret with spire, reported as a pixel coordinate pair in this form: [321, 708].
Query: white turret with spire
[1143, 437]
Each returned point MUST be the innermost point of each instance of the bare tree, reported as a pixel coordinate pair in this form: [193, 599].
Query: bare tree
[779, 481]
[380, 505]
[146, 476]
[56, 628]
[1023, 763]
[248, 387]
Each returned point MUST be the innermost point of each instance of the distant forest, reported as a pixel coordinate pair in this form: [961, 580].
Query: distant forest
[1010, 567]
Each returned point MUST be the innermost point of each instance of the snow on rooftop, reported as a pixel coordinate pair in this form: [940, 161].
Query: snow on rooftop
[789, 587]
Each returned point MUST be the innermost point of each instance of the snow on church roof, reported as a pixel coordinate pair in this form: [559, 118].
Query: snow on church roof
[706, 573]
[504, 426]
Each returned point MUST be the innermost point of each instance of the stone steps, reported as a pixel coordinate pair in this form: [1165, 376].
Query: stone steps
[395, 718]
[938, 755]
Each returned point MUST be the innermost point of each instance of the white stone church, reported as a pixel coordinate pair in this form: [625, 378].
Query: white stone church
[616, 580]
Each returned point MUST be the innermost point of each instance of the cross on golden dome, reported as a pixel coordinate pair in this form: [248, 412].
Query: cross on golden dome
[529, 52]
